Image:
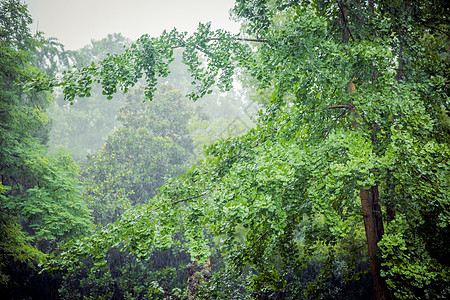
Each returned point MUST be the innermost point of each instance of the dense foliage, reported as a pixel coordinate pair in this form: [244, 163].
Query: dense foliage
[41, 203]
[152, 144]
[346, 171]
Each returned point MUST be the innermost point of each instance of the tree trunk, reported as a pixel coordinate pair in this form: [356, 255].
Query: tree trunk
[373, 221]
[198, 275]
[373, 224]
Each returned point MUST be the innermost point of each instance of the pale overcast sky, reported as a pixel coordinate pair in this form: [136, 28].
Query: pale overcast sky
[75, 22]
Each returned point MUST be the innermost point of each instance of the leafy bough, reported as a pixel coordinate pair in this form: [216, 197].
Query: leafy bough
[149, 59]
[143, 228]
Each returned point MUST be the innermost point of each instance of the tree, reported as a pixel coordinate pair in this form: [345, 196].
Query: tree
[40, 193]
[356, 132]
[82, 128]
[152, 144]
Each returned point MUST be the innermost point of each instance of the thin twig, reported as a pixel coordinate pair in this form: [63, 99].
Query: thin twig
[338, 106]
[334, 123]
[435, 28]
[254, 244]
[349, 107]
[189, 198]
[182, 200]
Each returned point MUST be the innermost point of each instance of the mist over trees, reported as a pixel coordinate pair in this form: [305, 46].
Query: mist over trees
[134, 170]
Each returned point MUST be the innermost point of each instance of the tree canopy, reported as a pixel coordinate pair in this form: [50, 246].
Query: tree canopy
[347, 164]
[40, 194]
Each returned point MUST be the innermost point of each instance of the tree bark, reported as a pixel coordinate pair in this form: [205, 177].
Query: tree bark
[373, 224]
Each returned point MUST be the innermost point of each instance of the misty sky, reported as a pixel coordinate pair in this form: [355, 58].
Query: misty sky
[76, 22]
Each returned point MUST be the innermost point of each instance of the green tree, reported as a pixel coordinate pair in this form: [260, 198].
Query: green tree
[82, 128]
[41, 200]
[152, 144]
[355, 136]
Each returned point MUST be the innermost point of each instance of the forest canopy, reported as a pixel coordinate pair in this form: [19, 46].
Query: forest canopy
[340, 190]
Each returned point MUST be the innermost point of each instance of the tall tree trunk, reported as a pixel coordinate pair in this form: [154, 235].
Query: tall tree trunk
[373, 224]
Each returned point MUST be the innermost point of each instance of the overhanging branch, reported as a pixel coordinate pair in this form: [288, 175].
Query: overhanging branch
[183, 200]
[221, 39]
